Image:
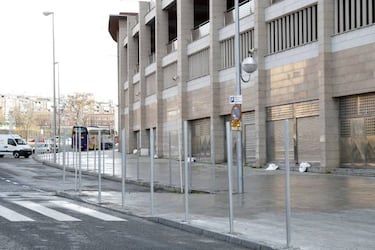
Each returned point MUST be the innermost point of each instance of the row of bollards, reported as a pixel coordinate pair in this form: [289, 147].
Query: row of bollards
[99, 162]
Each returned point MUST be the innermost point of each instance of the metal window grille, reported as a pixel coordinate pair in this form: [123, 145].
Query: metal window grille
[293, 110]
[292, 30]
[227, 48]
[353, 14]
[358, 106]
[199, 64]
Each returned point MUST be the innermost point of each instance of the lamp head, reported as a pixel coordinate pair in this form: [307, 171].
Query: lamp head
[47, 13]
[249, 65]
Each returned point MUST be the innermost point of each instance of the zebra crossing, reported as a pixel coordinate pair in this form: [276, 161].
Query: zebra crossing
[31, 209]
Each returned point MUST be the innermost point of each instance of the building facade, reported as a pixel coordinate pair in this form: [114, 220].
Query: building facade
[316, 61]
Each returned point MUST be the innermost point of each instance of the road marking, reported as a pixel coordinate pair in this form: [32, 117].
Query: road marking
[87, 211]
[46, 211]
[12, 216]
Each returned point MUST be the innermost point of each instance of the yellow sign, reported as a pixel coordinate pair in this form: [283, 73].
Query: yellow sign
[236, 125]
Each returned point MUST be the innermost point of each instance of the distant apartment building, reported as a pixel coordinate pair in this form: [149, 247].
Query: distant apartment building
[316, 68]
[32, 116]
[102, 114]
[13, 107]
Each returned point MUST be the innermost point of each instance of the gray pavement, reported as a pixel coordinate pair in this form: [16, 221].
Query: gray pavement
[328, 211]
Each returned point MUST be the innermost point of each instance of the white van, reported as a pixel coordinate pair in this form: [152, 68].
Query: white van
[11, 144]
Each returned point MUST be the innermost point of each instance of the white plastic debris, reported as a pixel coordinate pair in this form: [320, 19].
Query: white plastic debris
[272, 166]
[303, 166]
[191, 159]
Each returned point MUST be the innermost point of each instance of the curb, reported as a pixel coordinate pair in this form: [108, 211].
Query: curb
[211, 234]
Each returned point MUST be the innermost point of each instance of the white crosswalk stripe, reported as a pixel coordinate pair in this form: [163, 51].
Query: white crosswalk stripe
[46, 211]
[12, 216]
[87, 211]
[46, 205]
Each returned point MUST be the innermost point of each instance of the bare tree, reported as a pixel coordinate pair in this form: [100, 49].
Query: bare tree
[43, 121]
[79, 105]
[2, 117]
[24, 120]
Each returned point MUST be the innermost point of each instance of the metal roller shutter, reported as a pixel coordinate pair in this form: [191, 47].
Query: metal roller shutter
[308, 139]
[248, 119]
[303, 126]
[275, 141]
[357, 130]
[201, 139]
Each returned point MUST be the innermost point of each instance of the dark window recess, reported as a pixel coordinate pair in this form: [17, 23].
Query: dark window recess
[230, 4]
[201, 12]
[152, 32]
[172, 22]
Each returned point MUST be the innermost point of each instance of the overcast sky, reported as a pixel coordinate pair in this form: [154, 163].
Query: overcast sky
[84, 48]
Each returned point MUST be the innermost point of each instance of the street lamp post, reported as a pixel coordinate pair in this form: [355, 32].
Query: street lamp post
[47, 13]
[249, 65]
[238, 92]
[58, 101]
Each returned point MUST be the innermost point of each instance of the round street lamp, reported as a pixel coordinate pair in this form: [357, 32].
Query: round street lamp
[47, 13]
[249, 65]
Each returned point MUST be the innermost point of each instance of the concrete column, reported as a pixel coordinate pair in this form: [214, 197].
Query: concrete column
[185, 22]
[161, 37]
[144, 51]
[122, 73]
[260, 44]
[132, 61]
[217, 9]
[329, 110]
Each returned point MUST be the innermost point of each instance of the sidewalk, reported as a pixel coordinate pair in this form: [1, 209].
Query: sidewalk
[327, 211]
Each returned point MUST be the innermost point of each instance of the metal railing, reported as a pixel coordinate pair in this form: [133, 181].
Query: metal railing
[172, 46]
[151, 58]
[200, 31]
[245, 9]
[136, 68]
[275, 1]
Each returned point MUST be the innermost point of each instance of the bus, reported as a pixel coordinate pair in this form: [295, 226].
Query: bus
[83, 140]
[90, 137]
[106, 133]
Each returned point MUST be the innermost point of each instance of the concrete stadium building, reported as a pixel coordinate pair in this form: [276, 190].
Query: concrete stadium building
[316, 68]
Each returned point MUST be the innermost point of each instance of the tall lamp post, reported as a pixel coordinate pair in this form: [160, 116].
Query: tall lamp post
[47, 13]
[249, 65]
[58, 101]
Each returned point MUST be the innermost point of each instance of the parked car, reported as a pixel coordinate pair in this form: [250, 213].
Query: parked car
[51, 144]
[41, 148]
[56, 145]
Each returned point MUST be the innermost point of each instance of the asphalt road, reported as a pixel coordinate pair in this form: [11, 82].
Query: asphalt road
[33, 217]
